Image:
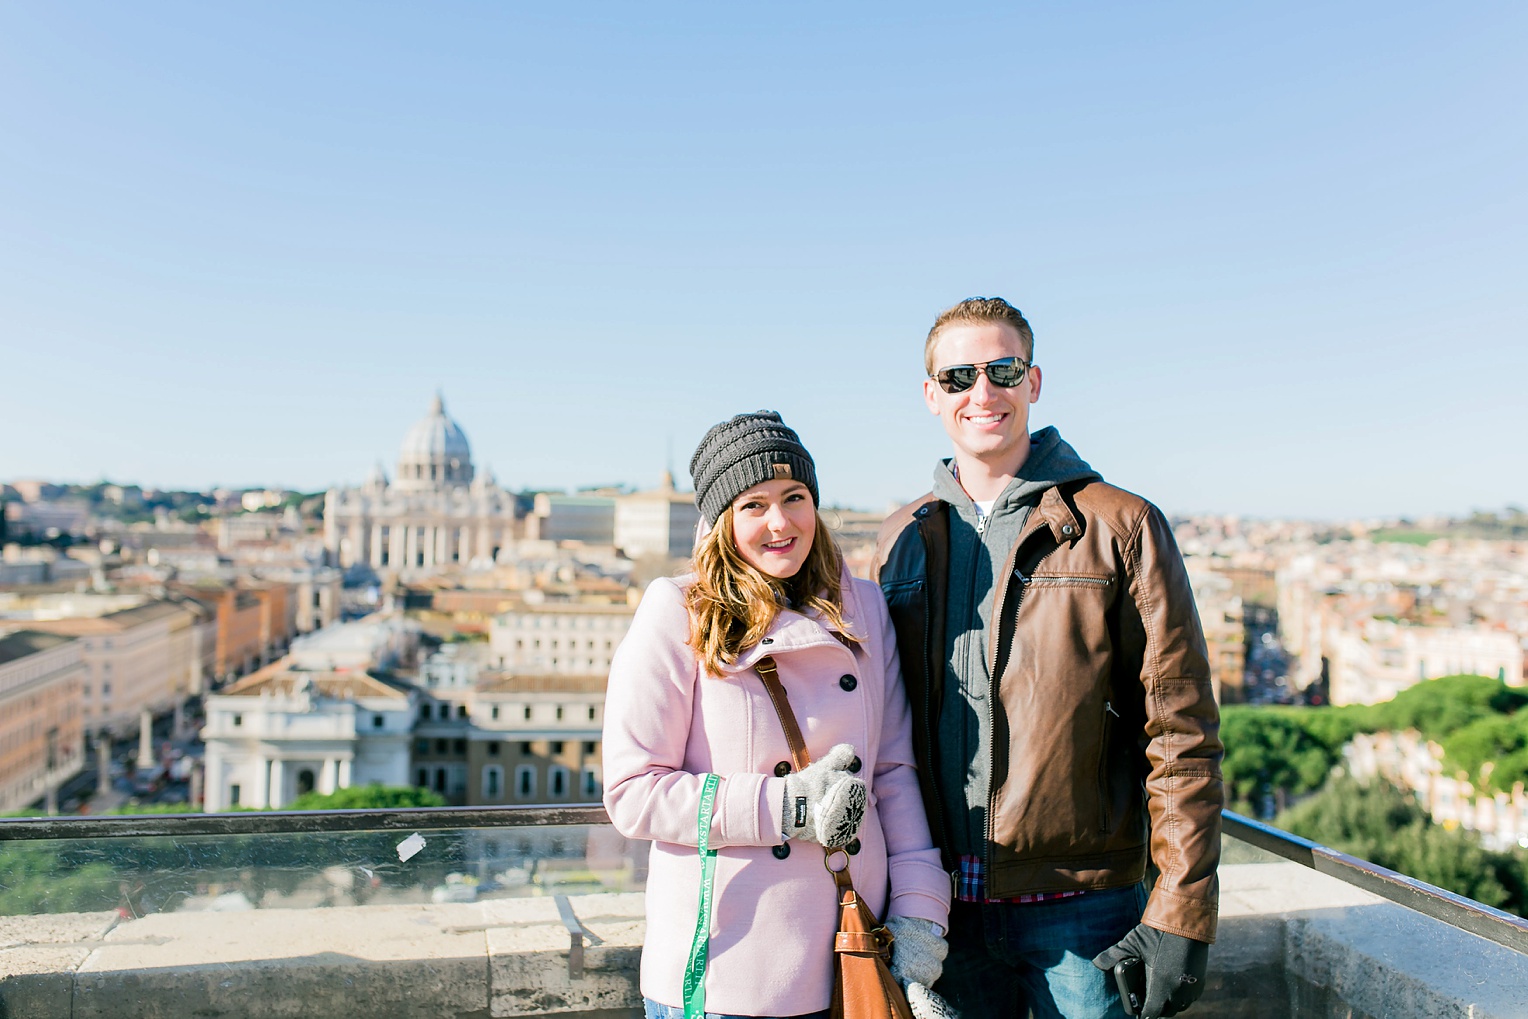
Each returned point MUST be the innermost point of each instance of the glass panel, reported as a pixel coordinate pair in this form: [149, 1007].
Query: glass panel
[138, 876]
[459, 922]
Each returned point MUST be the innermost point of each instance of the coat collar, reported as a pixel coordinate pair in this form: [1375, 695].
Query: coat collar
[793, 630]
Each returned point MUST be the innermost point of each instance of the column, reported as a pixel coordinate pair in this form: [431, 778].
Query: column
[278, 783]
[376, 546]
[103, 763]
[145, 738]
[328, 783]
[344, 773]
[211, 773]
[262, 781]
[198, 679]
[409, 543]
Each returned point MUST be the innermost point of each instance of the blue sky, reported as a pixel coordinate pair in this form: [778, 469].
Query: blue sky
[1274, 255]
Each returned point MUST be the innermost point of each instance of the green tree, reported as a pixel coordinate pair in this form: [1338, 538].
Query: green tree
[368, 797]
[1385, 825]
[1438, 707]
[1492, 751]
[1270, 752]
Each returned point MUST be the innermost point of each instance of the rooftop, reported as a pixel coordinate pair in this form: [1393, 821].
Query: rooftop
[21, 643]
[280, 679]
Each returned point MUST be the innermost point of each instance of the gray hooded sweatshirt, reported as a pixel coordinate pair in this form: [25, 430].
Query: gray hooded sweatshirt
[978, 551]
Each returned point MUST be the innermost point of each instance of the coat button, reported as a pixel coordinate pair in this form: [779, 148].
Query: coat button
[781, 851]
[853, 848]
[1067, 529]
[855, 765]
[782, 769]
[766, 640]
[848, 682]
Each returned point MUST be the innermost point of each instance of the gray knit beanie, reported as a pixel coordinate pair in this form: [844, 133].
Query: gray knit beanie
[745, 451]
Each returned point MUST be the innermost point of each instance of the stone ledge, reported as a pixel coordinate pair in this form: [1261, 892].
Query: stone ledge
[1292, 943]
[504, 957]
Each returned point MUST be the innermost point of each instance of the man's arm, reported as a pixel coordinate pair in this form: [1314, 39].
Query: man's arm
[1183, 787]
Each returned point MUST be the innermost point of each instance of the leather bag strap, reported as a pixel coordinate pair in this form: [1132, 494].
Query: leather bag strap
[777, 696]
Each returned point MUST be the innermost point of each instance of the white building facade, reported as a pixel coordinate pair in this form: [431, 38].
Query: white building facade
[659, 522]
[567, 638]
[278, 734]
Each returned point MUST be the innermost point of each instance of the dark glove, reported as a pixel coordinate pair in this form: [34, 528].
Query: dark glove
[1174, 968]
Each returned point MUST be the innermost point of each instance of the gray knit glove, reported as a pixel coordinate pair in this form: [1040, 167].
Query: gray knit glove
[824, 802]
[928, 1005]
[917, 950]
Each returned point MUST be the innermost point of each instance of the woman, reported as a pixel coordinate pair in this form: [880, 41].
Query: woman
[686, 701]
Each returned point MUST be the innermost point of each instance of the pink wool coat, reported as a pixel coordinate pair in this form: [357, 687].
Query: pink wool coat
[667, 726]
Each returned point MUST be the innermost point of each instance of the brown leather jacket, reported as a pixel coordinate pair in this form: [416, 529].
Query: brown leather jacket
[1104, 708]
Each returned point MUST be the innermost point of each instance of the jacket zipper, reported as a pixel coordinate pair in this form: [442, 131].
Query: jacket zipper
[928, 693]
[1106, 820]
[992, 694]
[1082, 581]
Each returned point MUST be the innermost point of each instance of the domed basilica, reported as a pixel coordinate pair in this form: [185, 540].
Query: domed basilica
[439, 511]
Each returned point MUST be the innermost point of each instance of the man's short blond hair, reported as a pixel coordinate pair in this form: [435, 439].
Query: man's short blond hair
[979, 311]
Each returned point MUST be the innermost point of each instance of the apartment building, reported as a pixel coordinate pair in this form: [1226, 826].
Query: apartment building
[143, 658]
[572, 638]
[42, 740]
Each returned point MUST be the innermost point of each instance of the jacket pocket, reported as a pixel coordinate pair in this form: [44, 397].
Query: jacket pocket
[1105, 799]
[901, 591]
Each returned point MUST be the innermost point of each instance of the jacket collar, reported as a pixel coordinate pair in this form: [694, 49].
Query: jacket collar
[1065, 526]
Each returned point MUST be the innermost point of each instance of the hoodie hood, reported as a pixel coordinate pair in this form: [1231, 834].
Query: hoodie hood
[1052, 461]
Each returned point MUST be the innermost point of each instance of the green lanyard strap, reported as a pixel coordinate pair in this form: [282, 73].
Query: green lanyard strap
[695, 971]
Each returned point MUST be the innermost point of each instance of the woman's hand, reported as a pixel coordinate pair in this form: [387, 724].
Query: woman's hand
[928, 1005]
[918, 949]
[825, 802]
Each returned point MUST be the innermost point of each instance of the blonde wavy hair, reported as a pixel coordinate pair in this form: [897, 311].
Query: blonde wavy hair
[732, 605]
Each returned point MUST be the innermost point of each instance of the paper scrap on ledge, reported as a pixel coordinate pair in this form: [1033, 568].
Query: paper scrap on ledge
[409, 847]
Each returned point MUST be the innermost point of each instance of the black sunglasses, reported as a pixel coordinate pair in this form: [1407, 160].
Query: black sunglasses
[1005, 373]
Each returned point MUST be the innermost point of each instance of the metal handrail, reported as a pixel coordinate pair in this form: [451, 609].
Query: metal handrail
[297, 822]
[1455, 910]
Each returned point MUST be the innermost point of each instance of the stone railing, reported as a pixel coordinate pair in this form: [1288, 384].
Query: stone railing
[314, 914]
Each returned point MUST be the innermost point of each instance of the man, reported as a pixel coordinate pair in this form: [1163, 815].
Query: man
[1063, 715]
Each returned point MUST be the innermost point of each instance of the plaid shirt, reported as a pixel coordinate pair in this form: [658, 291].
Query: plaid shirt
[971, 886]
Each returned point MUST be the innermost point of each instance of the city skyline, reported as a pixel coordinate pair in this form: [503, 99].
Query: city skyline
[1272, 258]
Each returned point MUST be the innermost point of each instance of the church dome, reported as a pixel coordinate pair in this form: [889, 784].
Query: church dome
[435, 452]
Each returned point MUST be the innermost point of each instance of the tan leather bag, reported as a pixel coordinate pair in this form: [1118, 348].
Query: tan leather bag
[863, 987]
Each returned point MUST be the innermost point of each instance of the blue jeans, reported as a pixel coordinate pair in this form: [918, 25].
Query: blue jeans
[657, 1011]
[1007, 959]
